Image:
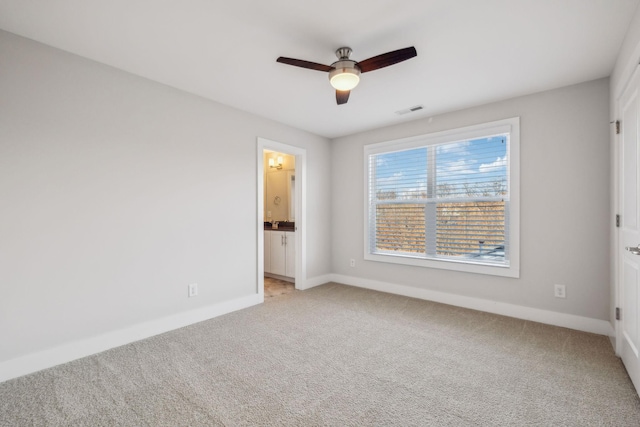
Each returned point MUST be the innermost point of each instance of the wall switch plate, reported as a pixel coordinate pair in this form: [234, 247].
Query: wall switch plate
[352, 262]
[193, 290]
[559, 291]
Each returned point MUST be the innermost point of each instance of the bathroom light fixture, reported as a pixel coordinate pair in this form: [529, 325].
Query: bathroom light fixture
[272, 163]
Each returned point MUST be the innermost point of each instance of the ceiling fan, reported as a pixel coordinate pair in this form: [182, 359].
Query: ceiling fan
[344, 74]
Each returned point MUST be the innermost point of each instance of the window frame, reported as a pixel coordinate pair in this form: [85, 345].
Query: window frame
[510, 126]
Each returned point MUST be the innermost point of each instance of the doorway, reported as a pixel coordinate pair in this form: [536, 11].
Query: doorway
[281, 228]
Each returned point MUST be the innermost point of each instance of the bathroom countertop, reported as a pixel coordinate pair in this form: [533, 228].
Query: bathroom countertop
[283, 226]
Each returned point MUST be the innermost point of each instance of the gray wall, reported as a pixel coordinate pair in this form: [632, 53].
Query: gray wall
[117, 192]
[564, 208]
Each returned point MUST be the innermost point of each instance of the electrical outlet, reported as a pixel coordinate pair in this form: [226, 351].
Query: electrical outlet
[352, 263]
[560, 291]
[193, 290]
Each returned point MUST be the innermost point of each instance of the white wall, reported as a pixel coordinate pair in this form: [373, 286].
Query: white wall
[564, 204]
[117, 192]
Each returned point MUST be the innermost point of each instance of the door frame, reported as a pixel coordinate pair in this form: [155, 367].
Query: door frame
[300, 210]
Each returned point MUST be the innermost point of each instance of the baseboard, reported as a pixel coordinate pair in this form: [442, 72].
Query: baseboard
[314, 281]
[612, 339]
[75, 350]
[580, 323]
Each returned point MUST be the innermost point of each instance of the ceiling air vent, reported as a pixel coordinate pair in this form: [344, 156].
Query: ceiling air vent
[410, 110]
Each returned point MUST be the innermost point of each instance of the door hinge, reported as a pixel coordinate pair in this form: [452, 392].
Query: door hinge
[618, 220]
[617, 313]
[617, 127]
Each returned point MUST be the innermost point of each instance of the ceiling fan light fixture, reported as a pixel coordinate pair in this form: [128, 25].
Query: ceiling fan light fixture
[344, 78]
[344, 74]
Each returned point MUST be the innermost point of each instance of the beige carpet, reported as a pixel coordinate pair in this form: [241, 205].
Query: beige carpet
[339, 356]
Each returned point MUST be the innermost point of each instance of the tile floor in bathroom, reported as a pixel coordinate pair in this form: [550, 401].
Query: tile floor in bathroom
[275, 287]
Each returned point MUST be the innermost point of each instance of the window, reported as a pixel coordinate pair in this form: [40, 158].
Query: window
[446, 200]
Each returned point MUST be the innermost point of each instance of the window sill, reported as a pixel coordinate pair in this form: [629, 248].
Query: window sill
[455, 265]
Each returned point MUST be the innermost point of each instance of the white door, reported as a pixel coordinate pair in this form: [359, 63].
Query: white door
[290, 249]
[629, 277]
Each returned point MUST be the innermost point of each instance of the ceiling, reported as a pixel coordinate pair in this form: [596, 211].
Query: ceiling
[470, 52]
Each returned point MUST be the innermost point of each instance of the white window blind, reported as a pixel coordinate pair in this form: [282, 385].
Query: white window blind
[443, 198]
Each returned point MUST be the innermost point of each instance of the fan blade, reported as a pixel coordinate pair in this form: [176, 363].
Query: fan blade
[387, 59]
[304, 64]
[342, 96]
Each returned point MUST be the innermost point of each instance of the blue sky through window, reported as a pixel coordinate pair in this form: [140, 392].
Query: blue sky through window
[475, 167]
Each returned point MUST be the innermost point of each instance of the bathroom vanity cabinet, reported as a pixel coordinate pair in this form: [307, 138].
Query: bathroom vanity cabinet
[279, 253]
